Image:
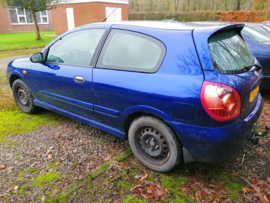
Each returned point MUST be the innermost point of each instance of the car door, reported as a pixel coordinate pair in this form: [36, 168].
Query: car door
[125, 63]
[64, 80]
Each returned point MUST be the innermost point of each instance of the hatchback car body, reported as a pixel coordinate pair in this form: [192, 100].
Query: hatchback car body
[173, 90]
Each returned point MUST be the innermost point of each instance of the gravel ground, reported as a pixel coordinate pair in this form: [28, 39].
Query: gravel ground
[38, 164]
[5, 61]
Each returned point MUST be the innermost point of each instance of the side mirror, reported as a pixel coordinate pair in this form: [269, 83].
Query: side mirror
[37, 57]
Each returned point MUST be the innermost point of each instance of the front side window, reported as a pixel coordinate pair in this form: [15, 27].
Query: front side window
[24, 16]
[125, 50]
[229, 52]
[76, 48]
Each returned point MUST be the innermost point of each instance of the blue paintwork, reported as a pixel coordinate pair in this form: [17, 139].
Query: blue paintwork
[226, 141]
[109, 98]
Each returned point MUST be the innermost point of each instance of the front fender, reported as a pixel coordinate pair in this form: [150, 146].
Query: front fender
[19, 68]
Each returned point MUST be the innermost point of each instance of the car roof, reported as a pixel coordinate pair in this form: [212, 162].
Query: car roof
[168, 25]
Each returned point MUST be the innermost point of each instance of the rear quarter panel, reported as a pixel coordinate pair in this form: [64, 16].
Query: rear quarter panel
[171, 94]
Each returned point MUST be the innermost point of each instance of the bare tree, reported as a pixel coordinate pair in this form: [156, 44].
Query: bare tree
[34, 6]
[176, 5]
[238, 4]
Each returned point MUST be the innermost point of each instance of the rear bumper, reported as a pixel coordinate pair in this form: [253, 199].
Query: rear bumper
[217, 144]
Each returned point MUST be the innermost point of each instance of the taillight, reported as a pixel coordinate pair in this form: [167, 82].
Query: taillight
[220, 101]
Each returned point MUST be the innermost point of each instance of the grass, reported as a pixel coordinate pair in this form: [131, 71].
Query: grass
[13, 41]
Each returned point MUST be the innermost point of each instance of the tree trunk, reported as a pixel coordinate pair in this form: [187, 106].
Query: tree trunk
[36, 24]
[238, 3]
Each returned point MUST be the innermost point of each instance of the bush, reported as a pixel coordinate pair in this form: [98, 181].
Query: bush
[234, 16]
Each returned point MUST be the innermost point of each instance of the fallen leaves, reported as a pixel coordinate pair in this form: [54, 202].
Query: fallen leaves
[108, 158]
[258, 189]
[203, 190]
[3, 166]
[49, 154]
[148, 189]
[245, 190]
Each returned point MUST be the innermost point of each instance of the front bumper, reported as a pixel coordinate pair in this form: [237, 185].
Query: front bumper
[216, 144]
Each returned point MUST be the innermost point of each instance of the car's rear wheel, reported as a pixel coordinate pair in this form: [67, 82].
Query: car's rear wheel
[23, 97]
[154, 144]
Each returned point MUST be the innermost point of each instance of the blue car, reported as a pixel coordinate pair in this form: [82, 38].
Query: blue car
[178, 93]
[260, 27]
[257, 43]
[259, 46]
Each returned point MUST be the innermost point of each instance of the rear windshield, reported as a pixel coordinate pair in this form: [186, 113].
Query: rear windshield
[255, 35]
[229, 52]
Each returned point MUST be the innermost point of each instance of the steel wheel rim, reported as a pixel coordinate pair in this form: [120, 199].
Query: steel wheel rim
[152, 145]
[23, 96]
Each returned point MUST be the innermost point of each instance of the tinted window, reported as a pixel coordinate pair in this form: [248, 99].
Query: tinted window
[76, 48]
[125, 50]
[255, 35]
[229, 52]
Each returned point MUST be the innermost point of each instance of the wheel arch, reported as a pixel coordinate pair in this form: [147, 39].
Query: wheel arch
[12, 79]
[138, 111]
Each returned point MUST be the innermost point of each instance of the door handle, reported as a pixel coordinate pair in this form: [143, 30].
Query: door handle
[79, 79]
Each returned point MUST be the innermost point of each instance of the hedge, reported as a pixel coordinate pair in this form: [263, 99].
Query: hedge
[234, 16]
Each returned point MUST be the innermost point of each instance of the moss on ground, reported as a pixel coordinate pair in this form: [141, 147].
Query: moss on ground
[86, 181]
[32, 170]
[12, 120]
[15, 122]
[52, 165]
[21, 191]
[47, 178]
[132, 199]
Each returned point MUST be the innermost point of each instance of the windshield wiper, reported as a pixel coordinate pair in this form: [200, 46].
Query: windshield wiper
[252, 67]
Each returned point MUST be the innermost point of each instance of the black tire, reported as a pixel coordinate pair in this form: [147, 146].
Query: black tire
[154, 144]
[23, 97]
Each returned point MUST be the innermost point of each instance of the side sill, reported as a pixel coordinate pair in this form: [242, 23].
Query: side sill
[82, 119]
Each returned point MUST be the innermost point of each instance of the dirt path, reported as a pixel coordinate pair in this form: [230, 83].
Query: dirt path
[5, 61]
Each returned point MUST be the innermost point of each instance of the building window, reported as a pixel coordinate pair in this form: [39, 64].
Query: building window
[24, 16]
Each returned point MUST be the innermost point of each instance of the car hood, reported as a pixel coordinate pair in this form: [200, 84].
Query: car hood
[22, 63]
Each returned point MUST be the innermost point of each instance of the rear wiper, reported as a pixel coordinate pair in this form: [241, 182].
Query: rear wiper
[252, 67]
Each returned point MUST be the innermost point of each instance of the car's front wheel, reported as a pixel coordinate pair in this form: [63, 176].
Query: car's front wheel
[22, 96]
[154, 144]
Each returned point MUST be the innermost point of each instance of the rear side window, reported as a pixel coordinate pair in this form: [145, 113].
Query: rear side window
[126, 50]
[229, 52]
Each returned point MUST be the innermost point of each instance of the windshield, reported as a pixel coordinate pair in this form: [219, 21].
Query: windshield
[229, 52]
[255, 35]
